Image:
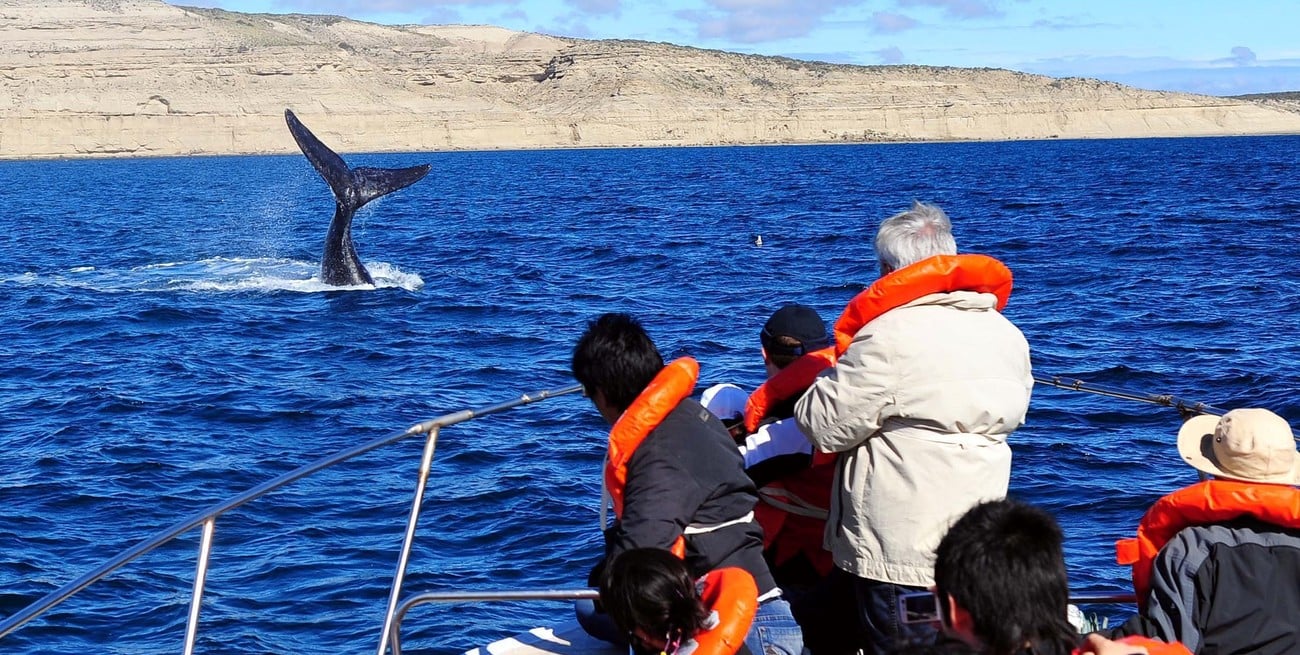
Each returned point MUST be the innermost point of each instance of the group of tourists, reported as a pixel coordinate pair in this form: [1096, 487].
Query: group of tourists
[855, 501]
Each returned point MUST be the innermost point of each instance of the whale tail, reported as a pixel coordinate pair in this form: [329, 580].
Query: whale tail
[352, 188]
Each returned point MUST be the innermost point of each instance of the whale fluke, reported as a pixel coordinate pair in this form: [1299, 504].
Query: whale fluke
[353, 188]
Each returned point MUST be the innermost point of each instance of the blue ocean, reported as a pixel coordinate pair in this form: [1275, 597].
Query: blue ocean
[165, 343]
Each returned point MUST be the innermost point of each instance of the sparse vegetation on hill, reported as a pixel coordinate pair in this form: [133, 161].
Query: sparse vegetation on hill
[141, 77]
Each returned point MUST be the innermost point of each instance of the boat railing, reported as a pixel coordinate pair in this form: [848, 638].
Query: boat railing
[395, 640]
[206, 519]
[396, 608]
[395, 636]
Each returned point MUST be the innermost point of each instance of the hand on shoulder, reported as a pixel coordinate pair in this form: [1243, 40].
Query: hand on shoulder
[1095, 644]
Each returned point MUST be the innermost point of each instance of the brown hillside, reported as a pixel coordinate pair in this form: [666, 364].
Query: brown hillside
[141, 77]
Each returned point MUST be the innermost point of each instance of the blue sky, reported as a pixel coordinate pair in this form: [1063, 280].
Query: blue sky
[1218, 47]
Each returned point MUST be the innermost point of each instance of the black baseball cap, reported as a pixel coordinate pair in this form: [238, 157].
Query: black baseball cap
[799, 322]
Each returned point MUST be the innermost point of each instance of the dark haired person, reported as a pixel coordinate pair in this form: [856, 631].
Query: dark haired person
[930, 380]
[672, 472]
[652, 598]
[1216, 565]
[1002, 588]
[794, 481]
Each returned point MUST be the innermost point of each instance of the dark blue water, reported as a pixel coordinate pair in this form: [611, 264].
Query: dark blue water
[163, 345]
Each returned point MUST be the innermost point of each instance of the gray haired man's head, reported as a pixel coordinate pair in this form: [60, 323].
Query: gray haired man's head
[918, 233]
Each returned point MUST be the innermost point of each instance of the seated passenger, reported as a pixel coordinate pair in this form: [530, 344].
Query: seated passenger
[1001, 587]
[1216, 565]
[672, 474]
[651, 597]
[794, 484]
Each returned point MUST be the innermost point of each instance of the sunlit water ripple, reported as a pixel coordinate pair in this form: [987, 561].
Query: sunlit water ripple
[166, 343]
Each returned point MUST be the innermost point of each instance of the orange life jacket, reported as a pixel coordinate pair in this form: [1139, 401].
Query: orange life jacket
[1153, 646]
[937, 274]
[792, 511]
[787, 383]
[1204, 503]
[732, 593]
[675, 382]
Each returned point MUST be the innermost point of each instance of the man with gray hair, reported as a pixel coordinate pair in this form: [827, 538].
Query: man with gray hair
[929, 381]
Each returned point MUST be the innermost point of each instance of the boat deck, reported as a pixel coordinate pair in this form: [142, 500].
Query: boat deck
[564, 639]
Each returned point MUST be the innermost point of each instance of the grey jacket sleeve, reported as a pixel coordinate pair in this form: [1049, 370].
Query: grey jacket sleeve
[1172, 601]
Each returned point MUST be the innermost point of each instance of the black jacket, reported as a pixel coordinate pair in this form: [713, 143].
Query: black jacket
[687, 472]
[1225, 589]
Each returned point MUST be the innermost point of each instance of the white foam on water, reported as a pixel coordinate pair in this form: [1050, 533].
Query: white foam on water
[218, 275]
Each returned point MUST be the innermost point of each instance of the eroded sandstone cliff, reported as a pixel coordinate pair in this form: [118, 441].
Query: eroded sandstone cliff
[141, 77]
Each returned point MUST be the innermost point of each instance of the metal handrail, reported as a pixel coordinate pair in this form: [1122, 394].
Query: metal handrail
[207, 519]
[395, 638]
[1103, 599]
[396, 611]
[592, 594]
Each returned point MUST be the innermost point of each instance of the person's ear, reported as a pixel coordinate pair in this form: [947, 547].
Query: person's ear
[960, 623]
[607, 411]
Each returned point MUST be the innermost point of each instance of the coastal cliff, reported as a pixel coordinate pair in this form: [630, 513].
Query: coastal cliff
[98, 78]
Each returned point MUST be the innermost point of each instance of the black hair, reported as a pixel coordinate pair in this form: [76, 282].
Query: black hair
[616, 357]
[783, 350]
[651, 589]
[1002, 562]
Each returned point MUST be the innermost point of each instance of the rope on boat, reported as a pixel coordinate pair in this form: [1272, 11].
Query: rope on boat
[1186, 408]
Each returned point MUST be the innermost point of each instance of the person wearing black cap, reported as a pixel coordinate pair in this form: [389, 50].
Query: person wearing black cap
[794, 482]
[792, 332]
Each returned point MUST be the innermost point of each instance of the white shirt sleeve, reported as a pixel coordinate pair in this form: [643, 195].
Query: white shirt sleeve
[773, 439]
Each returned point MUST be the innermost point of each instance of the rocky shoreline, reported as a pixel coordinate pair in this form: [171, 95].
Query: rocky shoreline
[113, 78]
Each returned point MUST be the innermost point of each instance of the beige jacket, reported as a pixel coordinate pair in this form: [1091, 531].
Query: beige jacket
[920, 405]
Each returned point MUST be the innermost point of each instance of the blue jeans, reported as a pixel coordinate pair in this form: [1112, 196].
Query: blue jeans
[828, 614]
[598, 624]
[774, 631]
[883, 629]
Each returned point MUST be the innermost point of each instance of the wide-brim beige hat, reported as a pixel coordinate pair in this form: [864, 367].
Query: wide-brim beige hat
[1252, 445]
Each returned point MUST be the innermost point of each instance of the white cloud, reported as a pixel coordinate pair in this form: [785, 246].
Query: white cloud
[760, 21]
[890, 23]
[1219, 81]
[361, 8]
[597, 7]
[1063, 23]
[1240, 74]
[1241, 56]
[890, 55]
[958, 8]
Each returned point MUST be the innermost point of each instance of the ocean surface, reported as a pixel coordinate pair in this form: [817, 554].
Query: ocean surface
[165, 343]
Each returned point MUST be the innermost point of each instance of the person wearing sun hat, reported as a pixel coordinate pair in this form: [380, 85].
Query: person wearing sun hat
[1251, 445]
[1216, 565]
